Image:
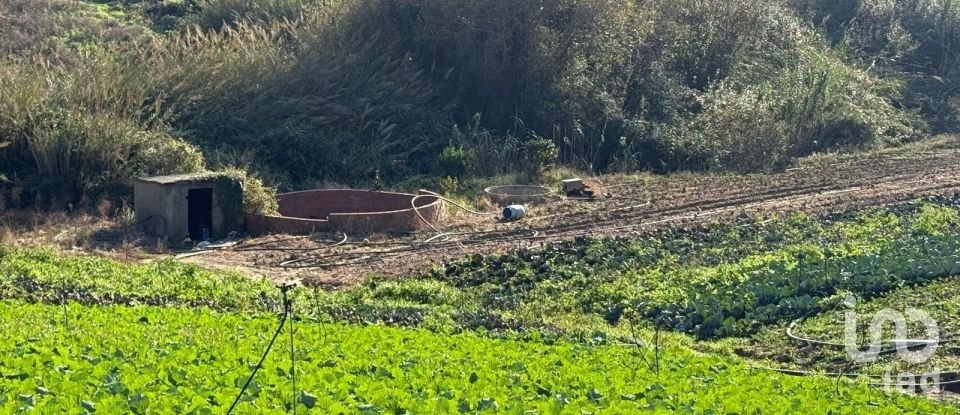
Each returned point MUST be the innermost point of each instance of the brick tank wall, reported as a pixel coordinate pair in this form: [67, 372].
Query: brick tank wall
[352, 211]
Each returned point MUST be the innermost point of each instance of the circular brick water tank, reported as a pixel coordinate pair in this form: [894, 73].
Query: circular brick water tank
[353, 211]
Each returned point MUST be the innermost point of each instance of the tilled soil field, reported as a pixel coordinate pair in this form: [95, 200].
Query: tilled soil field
[816, 186]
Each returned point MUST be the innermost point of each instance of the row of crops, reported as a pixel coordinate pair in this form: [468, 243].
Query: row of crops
[44, 276]
[143, 359]
[727, 280]
[564, 328]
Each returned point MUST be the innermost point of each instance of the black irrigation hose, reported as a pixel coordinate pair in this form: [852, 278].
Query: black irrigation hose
[283, 320]
[813, 342]
[293, 357]
[294, 263]
[259, 246]
[253, 247]
[838, 346]
[427, 193]
[843, 373]
[316, 304]
[414, 247]
[409, 247]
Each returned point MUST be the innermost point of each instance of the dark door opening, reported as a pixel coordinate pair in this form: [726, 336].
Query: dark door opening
[200, 214]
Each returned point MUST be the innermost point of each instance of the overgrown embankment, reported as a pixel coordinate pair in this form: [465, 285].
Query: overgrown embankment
[307, 92]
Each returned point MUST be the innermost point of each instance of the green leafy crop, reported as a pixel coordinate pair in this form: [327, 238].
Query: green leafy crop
[110, 359]
[41, 275]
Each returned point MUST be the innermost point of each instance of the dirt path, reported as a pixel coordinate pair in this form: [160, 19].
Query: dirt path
[815, 186]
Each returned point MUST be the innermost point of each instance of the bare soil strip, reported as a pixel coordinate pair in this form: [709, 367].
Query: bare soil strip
[816, 187]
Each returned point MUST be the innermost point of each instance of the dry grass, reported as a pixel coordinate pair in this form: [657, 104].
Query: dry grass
[86, 231]
[63, 230]
[938, 144]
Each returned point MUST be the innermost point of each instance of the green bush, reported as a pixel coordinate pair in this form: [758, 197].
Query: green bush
[831, 105]
[258, 198]
[455, 161]
[814, 103]
[539, 154]
[610, 81]
[914, 40]
[738, 130]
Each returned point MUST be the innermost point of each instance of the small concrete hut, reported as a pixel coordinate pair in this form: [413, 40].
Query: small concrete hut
[198, 206]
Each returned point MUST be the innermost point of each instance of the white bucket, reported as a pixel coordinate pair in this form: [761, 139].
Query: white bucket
[513, 212]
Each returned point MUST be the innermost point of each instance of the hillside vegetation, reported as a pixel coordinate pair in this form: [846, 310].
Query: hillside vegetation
[303, 92]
